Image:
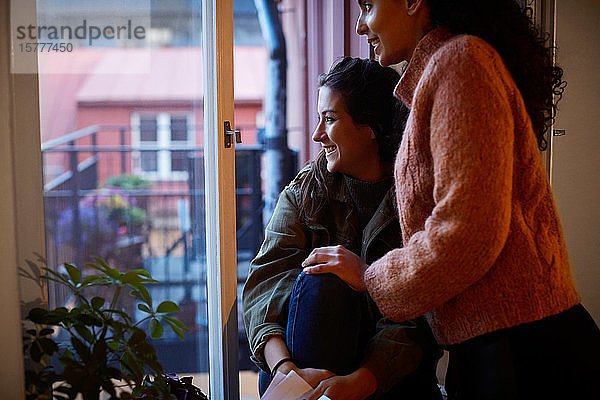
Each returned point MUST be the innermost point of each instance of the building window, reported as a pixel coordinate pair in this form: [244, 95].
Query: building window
[160, 138]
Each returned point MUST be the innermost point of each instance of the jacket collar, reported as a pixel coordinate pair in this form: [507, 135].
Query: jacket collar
[427, 46]
[386, 212]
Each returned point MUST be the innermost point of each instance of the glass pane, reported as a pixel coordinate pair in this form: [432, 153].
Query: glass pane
[251, 65]
[114, 186]
[149, 160]
[179, 160]
[179, 129]
[148, 129]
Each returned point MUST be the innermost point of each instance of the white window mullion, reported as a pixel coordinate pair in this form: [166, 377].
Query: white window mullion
[136, 163]
[191, 133]
[163, 127]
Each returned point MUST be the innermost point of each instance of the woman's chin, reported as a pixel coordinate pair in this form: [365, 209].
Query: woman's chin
[331, 167]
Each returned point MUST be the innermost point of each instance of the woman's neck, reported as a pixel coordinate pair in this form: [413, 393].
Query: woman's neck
[375, 172]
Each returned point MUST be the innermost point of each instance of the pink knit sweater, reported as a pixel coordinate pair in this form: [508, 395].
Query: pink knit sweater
[483, 247]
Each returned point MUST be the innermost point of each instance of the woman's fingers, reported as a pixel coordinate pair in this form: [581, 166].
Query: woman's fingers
[322, 255]
[314, 394]
[317, 392]
[339, 261]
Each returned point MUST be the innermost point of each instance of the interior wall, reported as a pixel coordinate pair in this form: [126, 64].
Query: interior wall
[576, 156]
[330, 36]
[11, 368]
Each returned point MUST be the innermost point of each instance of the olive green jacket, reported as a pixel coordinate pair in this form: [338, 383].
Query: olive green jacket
[393, 352]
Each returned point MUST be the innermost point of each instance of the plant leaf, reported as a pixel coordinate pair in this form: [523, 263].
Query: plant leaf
[156, 329]
[142, 293]
[74, 273]
[37, 314]
[85, 333]
[35, 352]
[130, 277]
[48, 345]
[113, 274]
[103, 263]
[96, 267]
[91, 279]
[82, 350]
[107, 269]
[56, 275]
[56, 316]
[122, 314]
[97, 302]
[176, 322]
[65, 357]
[113, 345]
[141, 272]
[46, 331]
[89, 319]
[175, 329]
[167, 307]
[144, 308]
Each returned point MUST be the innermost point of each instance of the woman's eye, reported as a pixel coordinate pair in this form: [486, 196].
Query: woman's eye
[367, 7]
[329, 119]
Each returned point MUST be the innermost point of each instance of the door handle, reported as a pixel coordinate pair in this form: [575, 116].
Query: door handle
[229, 134]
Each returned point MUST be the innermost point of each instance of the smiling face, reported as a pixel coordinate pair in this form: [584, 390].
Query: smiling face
[350, 148]
[392, 27]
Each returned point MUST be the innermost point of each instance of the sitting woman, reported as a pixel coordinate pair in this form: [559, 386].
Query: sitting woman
[331, 335]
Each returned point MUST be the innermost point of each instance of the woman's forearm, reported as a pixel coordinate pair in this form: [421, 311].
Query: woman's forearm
[275, 350]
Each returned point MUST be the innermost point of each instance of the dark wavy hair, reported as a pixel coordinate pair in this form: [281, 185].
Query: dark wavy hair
[509, 28]
[367, 90]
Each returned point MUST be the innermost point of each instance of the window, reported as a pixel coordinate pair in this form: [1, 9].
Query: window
[160, 138]
[107, 116]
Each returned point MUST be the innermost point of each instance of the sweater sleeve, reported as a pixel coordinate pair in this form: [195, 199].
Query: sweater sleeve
[272, 275]
[463, 104]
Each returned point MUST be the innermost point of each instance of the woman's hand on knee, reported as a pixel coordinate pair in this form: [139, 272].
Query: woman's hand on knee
[356, 386]
[339, 261]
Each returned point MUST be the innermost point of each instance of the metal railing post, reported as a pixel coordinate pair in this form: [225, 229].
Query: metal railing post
[75, 185]
[123, 155]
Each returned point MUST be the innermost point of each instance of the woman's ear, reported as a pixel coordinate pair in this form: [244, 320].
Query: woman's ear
[372, 134]
[413, 6]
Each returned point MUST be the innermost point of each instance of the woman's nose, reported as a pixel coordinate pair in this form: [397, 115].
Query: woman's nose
[361, 26]
[318, 134]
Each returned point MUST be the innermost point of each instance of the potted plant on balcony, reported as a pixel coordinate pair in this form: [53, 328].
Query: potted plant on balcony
[103, 348]
[106, 221]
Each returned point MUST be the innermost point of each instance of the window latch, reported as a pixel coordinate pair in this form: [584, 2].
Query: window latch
[229, 134]
[559, 132]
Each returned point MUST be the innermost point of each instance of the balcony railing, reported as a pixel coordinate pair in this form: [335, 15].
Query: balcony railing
[157, 225]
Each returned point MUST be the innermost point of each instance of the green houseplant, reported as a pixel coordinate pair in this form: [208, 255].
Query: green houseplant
[103, 348]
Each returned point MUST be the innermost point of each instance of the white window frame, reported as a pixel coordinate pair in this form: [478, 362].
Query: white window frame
[164, 143]
[221, 257]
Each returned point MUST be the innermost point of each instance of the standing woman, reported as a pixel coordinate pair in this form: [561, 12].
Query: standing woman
[484, 254]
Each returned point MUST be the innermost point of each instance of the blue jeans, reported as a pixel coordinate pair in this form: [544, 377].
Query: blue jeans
[328, 327]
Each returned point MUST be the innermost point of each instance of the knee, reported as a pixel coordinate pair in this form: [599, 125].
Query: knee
[324, 286]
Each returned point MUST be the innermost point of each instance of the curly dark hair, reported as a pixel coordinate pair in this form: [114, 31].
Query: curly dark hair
[367, 90]
[509, 28]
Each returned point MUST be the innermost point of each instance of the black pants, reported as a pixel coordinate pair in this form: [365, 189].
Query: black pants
[557, 357]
